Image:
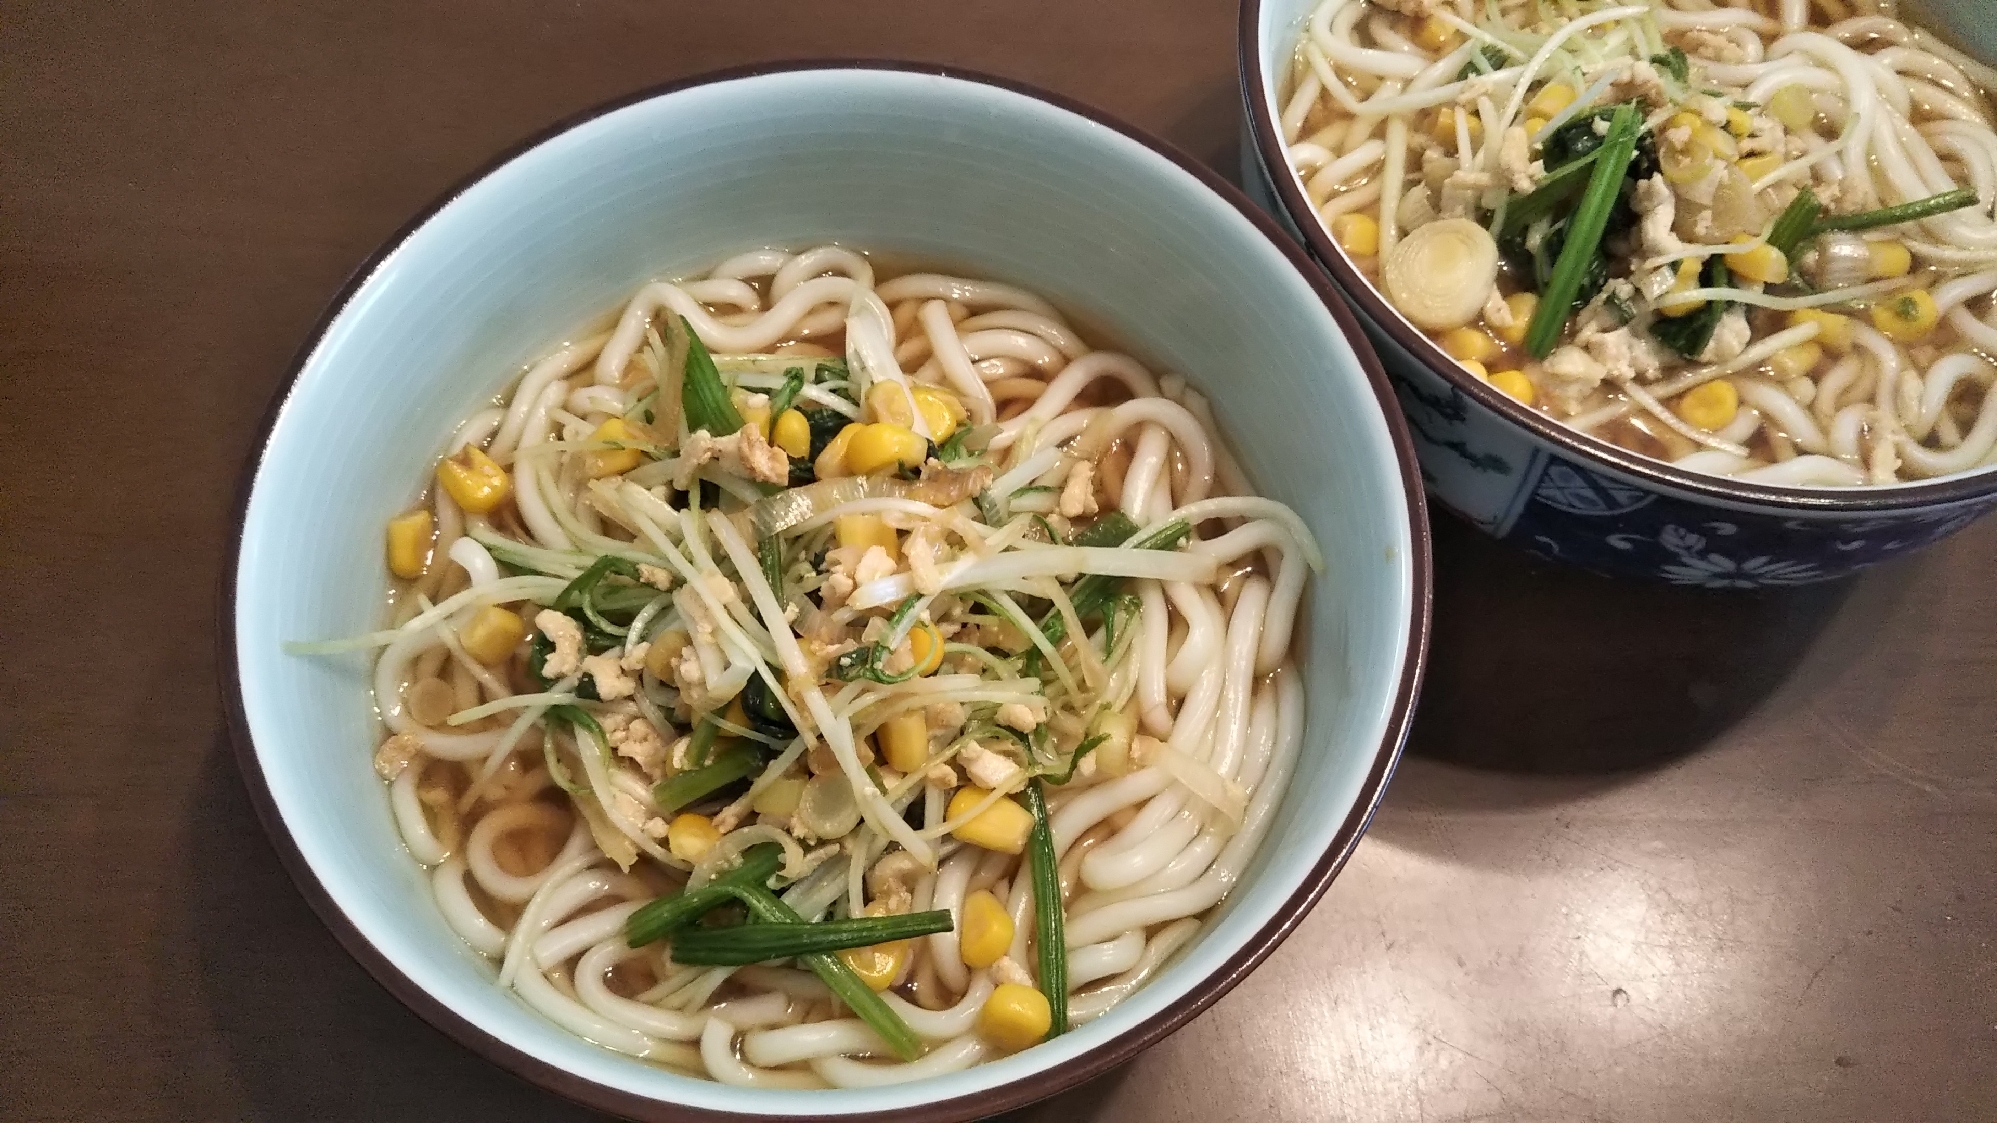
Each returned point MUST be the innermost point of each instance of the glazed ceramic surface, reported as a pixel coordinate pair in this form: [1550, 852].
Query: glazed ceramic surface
[1522, 477]
[924, 166]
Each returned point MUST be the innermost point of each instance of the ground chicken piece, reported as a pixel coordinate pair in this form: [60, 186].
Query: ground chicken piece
[634, 660]
[660, 579]
[942, 777]
[566, 635]
[1461, 191]
[731, 816]
[894, 875]
[1635, 79]
[1623, 353]
[1144, 750]
[1078, 495]
[745, 452]
[638, 740]
[944, 716]
[922, 548]
[1497, 313]
[1007, 971]
[1766, 135]
[1019, 715]
[627, 807]
[612, 680]
[1572, 374]
[1515, 161]
[875, 564]
[395, 754]
[687, 672]
[655, 827]
[682, 754]
[836, 590]
[1730, 338]
[1713, 45]
[987, 769]
[1658, 206]
[942, 486]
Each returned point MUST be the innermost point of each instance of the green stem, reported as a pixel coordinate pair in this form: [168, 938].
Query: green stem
[744, 944]
[766, 907]
[1050, 937]
[1584, 233]
[1905, 212]
[663, 917]
[736, 763]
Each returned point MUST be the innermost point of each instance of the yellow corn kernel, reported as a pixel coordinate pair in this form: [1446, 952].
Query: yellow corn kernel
[886, 401]
[1477, 370]
[1686, 280]
[1444, 131]
[689, 835]
[1738, 122]
[665, 648]
[409, 543]
[780, 797]
[1523, 305]
[1833, 330]
[1710, 406]
[1755, 167]
[473, 481]
[756, 414]
[735, 715]
[492, 633]
[1514, 384]
[1467, 343]
[792, 433]
[884, 446]
[925, 644]
[1889, 259]
[1792, 361]
[1002, 827]
[940, 410]
[1551, 99]
[1762, 263]
[1433, 35]
[612, 461]
[1906, 317]
[904, 741]
[1015, 1017]
[1356, 234]
[862, 531]
[831, 462]
[984, 932]
[1533, 125]
[878, 965]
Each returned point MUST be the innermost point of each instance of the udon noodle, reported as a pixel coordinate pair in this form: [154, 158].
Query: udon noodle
[797, 605]
[1754, 241]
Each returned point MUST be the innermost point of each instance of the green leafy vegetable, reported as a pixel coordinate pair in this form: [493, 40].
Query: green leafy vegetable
[704, 395]
[1484, 60]
[765, 712]
[787, 393]
[1075, 760]
[1580, 247]
[661, 918]
[1050, 939]
[867, 662]
[1689, 334]
[1113, 529]
[1674, 63]
[736, 762]
[742, 944]
[1577, 138]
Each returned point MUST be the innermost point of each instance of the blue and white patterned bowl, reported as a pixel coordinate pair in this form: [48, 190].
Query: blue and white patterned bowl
[1525, 478]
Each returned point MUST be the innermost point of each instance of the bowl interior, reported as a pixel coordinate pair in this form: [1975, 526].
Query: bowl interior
[940, 169]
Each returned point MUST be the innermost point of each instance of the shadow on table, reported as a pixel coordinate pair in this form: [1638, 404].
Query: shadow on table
[309, 1034]
[1565, 682]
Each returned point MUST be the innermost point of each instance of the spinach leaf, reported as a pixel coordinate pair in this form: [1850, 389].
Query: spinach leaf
[1674, 63]
[1689, 334]
[1492, 56]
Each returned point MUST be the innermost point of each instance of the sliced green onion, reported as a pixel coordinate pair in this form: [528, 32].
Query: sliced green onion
[662, 917]
[574, 593]
[1050, 937]
[743, 944]
[738, 762]
[1584, 233]
[767, 908]
[704, 394]
[1905, 212]
[770, 553]
[701, 744]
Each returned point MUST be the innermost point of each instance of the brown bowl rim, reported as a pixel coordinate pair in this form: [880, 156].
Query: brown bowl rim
[1592, 451]
[1032, 1086]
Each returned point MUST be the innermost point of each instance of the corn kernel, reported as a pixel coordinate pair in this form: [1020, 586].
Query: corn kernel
[887, 401]
[409, 543]
[1514, 384]
[754, 412]
[1002, 827]
[1711, 406]
[878, 965]
[1356, 234]
[904, 741]
[1833, 330]
[665, 648]
[1686, 280]
[1762, 263]
[780, 797]
[1889, 259]
[1470, 343]
[690, 835]
[1790, 362]
[862, 531]
[831, 462]
[1906, 317]
[1433, 35]
[473, 481]
[884, 446]
[1551, 99]
[1757, 167]
[1533, 125]
[792, 433]
[1738, 122]
[984, 932]
[1015, 1017]
[1523, 305]
[491, 634]
[1444, 131]
[940, 410]
[925, 644]
[612, 461]
[1477, 370]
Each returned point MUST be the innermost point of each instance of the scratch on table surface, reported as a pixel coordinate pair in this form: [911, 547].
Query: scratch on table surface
[1820, 970]
[1888, 765]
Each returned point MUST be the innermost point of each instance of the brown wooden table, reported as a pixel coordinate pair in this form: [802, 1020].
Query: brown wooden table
[1654, 855]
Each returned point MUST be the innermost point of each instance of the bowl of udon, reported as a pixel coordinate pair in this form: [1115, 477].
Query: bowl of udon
[823, 592]
[1667, 288]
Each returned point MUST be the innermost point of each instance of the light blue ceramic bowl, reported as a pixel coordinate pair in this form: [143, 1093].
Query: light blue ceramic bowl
[1523, 477]
[946, 169]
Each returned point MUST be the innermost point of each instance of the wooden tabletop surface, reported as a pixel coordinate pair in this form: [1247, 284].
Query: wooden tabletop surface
[1654, 855]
